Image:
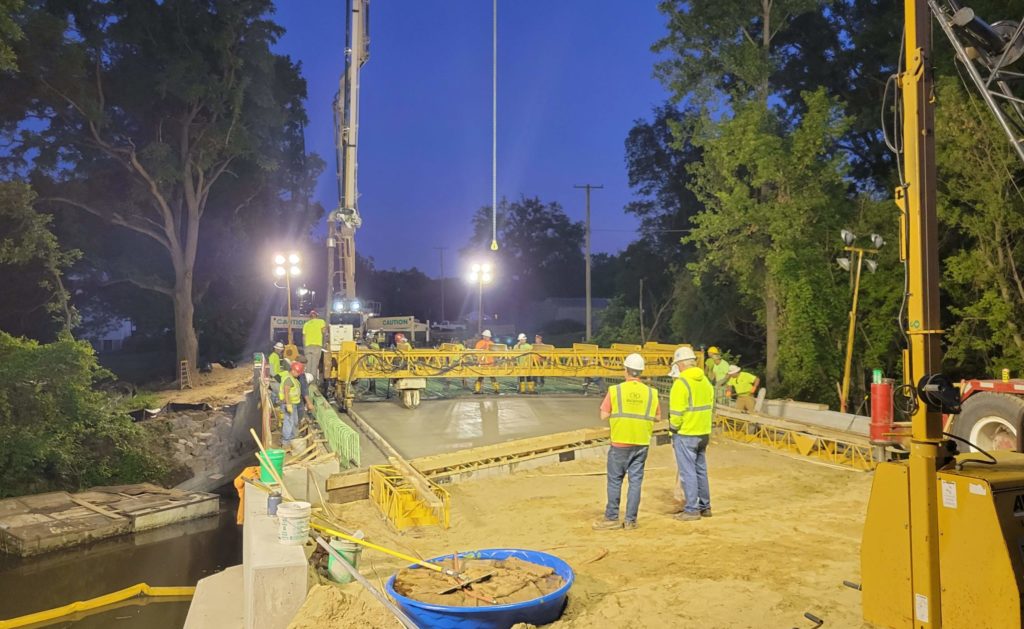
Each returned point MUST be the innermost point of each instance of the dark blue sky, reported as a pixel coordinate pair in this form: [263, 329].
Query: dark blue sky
[573, 76]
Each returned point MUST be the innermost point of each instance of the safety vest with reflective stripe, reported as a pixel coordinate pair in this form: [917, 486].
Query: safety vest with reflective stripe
[634, 411]
[275, 364]
[691, 403]
[294, 389]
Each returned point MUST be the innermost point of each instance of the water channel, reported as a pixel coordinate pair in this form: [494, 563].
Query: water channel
[175, 555]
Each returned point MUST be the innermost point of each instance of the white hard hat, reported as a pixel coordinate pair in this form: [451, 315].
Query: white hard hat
[634, 362]
[684, 353]
[522, 337]
[309, 377]
[486, 333]
[734, 370]
[279, 345]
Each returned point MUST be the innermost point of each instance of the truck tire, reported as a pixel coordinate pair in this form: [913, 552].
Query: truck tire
[991, 421]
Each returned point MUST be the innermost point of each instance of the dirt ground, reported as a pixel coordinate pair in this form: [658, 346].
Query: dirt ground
[220, 387]
[784, 535]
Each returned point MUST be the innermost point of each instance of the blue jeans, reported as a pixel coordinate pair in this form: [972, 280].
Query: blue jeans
[291, 423]
[693, 470]
[622, 462]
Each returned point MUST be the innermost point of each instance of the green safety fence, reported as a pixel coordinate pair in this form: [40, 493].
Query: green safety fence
[342, 439]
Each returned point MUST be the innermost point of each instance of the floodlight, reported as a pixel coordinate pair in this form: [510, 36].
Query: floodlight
[355, 305]
[279, 259]
[844, 262]
[877, 241]
[293, 258]
[872, 265]
[279, 271]
[295, 271]
[847, 237]
[486, 267]
[486, 278]
[475, 268]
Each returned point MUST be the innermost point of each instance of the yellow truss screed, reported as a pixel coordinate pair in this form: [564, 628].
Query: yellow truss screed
[543, 360]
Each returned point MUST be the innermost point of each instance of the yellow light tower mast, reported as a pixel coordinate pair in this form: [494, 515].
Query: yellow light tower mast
[343, 222]
[920, 236]
[942, 540]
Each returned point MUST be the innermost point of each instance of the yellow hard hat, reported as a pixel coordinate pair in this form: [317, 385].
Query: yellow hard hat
[714, 351]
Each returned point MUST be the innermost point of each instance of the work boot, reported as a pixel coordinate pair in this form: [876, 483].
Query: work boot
[686, 516]
[606, 525]
[497, 387]
[476, 388]
[705, 513]
[522, 387]
[531, 387]
[629, 526]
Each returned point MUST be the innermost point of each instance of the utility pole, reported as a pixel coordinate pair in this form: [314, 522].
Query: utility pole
[588, 187]
[441, 251]
[642, 337]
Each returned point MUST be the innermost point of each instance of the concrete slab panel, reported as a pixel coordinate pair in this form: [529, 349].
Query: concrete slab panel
[201, 506]
[12, 506]
[217, 603]
[448, 425]
[53, 501]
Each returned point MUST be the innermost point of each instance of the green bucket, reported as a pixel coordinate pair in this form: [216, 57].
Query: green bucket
[276, 459]
[349, 552]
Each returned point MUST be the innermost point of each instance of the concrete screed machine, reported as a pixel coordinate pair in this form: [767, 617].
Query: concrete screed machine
[943, 541]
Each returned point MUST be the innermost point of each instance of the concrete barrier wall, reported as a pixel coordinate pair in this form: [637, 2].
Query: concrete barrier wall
[275, 578]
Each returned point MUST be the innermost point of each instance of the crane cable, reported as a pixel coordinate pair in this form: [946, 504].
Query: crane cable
[494, 127]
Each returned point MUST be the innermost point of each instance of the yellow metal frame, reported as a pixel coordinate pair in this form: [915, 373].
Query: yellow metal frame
[139, 589]
[826, 449]
[579, 360]
[397, 501]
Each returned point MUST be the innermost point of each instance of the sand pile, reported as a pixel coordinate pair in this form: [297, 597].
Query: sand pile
[336, 606]
[501, 582]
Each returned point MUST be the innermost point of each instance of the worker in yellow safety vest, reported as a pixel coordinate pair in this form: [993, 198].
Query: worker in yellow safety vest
[313, 343]
[631, 408]
[718, 371]
[277, 366]
[485, 344]
[744, 385]
[691, 406]
[525, 360]
[290, 397]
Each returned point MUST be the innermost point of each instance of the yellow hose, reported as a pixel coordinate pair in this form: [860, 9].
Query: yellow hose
[363, 542]
[139, 589]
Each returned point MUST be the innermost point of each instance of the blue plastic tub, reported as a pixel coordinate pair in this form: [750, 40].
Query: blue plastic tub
[539, 611]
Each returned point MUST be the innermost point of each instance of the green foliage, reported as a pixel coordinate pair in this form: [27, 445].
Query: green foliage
[982, 206]
[56, 432]
[10, 31]
[619, 324]
[33, 263]
[776, 199]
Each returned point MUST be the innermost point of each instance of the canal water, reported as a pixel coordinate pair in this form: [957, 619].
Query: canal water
[175, 555]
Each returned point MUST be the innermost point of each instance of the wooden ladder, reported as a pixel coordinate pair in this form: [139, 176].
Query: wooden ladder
[184, 376]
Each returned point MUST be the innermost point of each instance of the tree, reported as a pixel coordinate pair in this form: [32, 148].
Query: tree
[541, 252]
[60, 433]
[152, 108]
[982, 206]
[776, 196]
[10, 32]
[33, 263]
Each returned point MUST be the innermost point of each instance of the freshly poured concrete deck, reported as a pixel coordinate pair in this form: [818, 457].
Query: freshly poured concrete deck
[439, 426]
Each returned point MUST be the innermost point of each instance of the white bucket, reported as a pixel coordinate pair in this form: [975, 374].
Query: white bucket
[293, 523]
[349, 552]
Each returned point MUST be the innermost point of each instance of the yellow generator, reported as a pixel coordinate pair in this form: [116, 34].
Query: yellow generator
[981, 545]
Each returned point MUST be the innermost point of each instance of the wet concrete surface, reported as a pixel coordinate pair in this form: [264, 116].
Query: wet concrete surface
[455, 424]
[176, 555]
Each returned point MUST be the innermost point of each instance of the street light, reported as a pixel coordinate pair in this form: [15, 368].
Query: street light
[288, 271]
[847, 264]
[480, 273]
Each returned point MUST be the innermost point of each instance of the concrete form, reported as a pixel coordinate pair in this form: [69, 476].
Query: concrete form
[31, 525]
[218, 603]
[274, 576]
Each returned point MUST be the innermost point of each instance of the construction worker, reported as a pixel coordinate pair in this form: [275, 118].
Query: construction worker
[401, 343]
[372, 361]
[718, 373]
[313, 342]
[290, 398]
[631, 408]
[538, 340]
[307, 400]
[744, 386]
[277, 366]
[526, 383]
[691, 406]
[485, 344]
